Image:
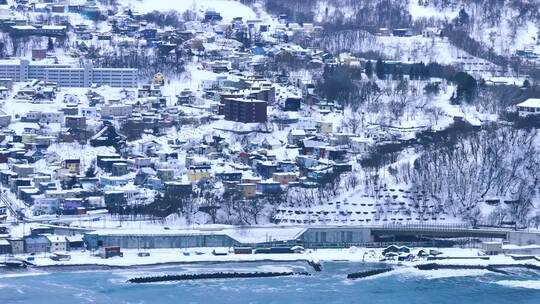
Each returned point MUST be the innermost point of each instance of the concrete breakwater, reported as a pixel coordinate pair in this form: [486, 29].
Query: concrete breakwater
[216, 275]
[368, 273]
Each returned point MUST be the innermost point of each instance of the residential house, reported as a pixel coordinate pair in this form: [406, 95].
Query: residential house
[247, 190]
[73, 165]
[286, 166]
[265, 168]
[36, 244]
[75, 242]
[88, 112]
[269, 187]
[4, 93]
[56, 243]
[292, 104]
[285, 177]
[51, 117]
[295, 136]
[114, 199]
[5, 119]
[5, 247]
[70, 205]
[23, 170]
[199, 172]
[305, 161]
[17, 245]
[119, 169]
[116, 110]
[143, 174]
[165, 174]
[113, 181]
[361, 145]
[229, 176]
[271, 143]
[325, 127]
[43, 205]
[529, 107]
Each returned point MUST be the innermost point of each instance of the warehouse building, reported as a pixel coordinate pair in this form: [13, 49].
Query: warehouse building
[96, 240]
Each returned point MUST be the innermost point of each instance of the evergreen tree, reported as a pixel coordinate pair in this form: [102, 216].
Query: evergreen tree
[413, 72]
[425, 71]
[50, 44]
[380, 69]
[463, 17]
[369, 69]
[91, 171]
[466, 88]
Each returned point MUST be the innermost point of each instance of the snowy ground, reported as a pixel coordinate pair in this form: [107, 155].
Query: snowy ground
[419, 11]
[418, 49]
[227, 8]
[360, 207]
[197, 255]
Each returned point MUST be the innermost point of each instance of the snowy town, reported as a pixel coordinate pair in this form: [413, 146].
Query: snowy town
[144, 132]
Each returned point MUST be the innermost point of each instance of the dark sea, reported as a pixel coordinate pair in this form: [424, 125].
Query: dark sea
[403, 286]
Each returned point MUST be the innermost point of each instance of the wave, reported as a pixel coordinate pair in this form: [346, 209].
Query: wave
[440, 273]
[25, 274]
[275, 268]
[529, 284]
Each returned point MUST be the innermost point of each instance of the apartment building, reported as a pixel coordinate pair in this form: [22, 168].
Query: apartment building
[245, 110]
[66, 75]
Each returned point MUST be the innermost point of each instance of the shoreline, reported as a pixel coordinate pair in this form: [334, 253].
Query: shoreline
[457, 258]
[91, 267]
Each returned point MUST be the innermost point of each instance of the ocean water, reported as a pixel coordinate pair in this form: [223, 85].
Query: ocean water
[330, 286]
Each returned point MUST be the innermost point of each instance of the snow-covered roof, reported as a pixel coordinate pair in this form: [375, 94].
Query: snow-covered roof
[55, 238]
[75, 238]
[530, 103]
[244, 235]
[298, 132]
[362, 140]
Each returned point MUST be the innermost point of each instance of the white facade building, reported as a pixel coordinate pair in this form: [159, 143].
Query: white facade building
[67, 75]
[52, 117]
[116, 110]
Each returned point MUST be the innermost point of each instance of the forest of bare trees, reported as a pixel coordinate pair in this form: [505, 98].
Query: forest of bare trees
[495, 163]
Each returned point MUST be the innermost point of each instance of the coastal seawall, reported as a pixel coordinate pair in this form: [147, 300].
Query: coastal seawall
[216, 275]
[368, 273]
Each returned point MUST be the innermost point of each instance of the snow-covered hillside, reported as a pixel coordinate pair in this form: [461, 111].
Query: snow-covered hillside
[502, 26]
[227, 8]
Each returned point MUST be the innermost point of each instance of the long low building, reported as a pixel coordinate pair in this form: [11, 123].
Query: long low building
[309, 237]
[67, 75]
[172, 240]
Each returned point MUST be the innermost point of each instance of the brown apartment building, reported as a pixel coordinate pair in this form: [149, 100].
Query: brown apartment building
[245, 110]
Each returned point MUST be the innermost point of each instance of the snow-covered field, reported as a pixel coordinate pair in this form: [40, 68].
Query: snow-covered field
[227, 8]
[419, 11]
